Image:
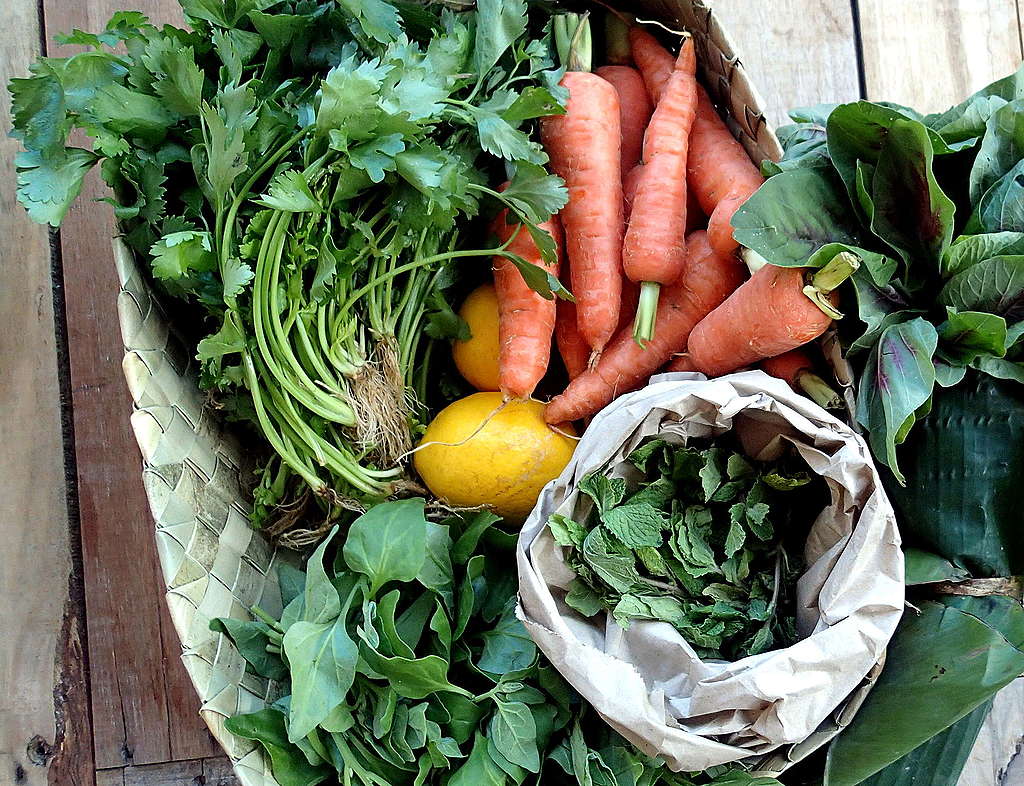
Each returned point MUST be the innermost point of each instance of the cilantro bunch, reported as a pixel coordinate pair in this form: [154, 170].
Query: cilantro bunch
[303, 174]
[402, 662]
[706, 540]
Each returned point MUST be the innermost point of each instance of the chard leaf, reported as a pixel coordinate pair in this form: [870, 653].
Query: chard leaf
[966, 335]
[1002, 206]
[911, 212]
[897, 381]
[793, 215]
[995, 286]
[1001, 149]
[968, 250]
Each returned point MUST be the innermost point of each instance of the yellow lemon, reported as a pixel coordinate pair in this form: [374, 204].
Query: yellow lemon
[477, 358]
[492, 455]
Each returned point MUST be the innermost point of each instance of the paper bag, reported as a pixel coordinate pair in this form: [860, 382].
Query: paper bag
[647, 682]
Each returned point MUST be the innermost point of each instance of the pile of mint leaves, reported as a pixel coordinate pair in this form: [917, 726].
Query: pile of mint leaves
[933, 204]
[706, 540]
[401, 661]
[302, 175]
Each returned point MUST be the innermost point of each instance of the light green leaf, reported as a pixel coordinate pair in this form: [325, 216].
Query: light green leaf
[607, 492]
[182, 253]
[635, 524]
[322, 661]
[514, 733]
[388, 543]
[290, 192]
[966, 335]
[923, 567]
[499, 23]
[48, 186]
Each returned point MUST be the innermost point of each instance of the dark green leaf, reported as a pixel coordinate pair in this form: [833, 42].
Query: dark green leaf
[966, 335]
[1002, 148]
[897, 380]
[635, 524]
[479, 769]
[267, 727]
[413, 678]
[995, 286]
[507, 647]
[583, 598]
[1002, 206]
[923, 567]
[251, 640]
[436, 572]
[968, 250]
[48, 186]
[940, 666]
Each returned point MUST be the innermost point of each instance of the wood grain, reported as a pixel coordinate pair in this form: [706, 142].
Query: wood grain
[931, 54]
[144, 708]
[36, 726]
[797, 52]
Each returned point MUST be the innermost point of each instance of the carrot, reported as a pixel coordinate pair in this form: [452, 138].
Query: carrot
[634, 111]
[571, 346]
[630, 300]
[773, 312]
[655, 62]
[526, 321]
[797, 368]
[707, 280]
[629, 184]
[680, 363]
[719, 171]
[655, 246]
[584, 147]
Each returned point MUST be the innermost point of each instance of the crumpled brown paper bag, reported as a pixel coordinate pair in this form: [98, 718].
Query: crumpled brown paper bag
[647, 682]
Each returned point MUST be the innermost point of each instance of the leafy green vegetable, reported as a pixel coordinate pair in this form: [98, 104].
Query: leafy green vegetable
[693, 544]
[885, 183]
[400, 689]
[303, 175]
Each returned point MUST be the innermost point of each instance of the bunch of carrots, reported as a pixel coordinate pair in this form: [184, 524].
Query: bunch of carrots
[654, 177]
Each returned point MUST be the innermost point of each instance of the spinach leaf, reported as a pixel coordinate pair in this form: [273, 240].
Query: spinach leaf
[388, 543]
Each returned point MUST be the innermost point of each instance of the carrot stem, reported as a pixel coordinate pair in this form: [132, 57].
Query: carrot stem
[828, 278]
[574, 41]
[818, 390]
[646, 312]
[616, 40]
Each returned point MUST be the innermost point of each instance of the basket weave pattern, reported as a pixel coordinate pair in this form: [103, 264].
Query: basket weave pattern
[213, 563]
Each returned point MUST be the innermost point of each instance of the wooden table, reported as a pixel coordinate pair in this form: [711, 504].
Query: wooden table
[93, 690]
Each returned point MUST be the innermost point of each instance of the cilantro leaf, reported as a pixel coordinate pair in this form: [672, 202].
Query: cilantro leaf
[180, 254]
[48, 186]
[39, 113]
[290, 192]
[378, 19]
[535, 193]
[126, 111]
[499, 24]
[377, 156]
[229, 340]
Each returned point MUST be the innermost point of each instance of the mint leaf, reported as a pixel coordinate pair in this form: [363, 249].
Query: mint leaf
[583, 599]
[605, 491]
[566, 531]
[635, 525]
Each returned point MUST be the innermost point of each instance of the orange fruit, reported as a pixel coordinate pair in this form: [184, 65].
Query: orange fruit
[477, 357]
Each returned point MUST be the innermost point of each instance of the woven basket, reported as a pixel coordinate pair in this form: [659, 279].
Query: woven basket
[213, 563]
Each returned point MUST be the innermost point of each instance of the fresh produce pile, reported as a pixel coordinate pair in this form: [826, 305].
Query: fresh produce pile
[403, 662]
[697, 544]
[364, 210]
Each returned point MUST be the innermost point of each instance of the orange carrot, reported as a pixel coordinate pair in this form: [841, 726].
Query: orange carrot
[630, 300]
[571, 346]
[655, 62]
[526, 321]
[634, 111]
[707, 280]
[789, 366]
[775, 311]
[584, 146]
[680, 363]
[629, 184]
[797, 368]
[655, 244]
[719, 171]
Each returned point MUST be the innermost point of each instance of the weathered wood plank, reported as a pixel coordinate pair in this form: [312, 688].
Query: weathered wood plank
[174, 773]
[797, 52]
[930, 54]
[218, 772]
[144, 708]
[40, 726]
[113, 777]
